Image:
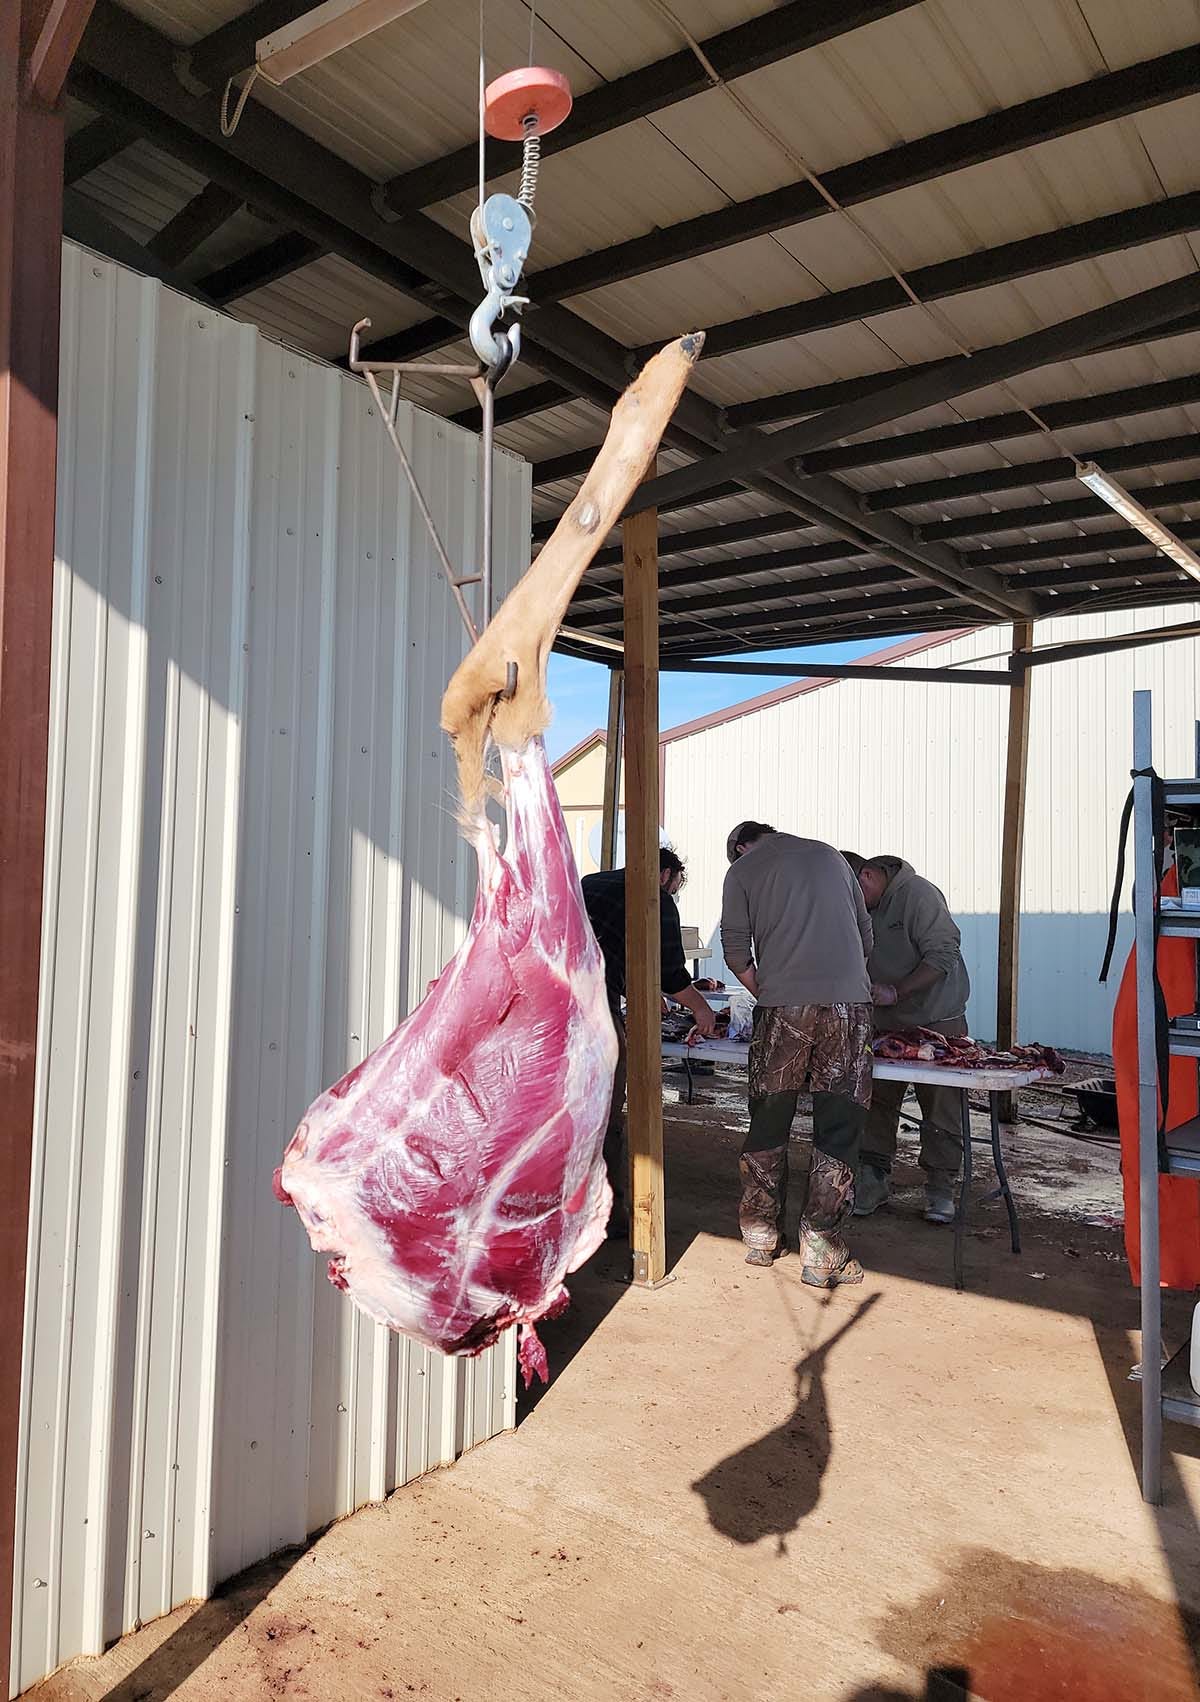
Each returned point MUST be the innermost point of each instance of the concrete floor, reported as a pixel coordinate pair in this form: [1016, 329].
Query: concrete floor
[739, 1490]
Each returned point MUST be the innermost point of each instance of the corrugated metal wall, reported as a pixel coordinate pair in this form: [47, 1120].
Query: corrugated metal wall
[252, 870]
[918, 770]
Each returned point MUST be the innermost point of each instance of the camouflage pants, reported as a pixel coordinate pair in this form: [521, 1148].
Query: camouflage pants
[824, 1049]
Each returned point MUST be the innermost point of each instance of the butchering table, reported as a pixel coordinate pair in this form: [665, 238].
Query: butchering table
[991, 1082]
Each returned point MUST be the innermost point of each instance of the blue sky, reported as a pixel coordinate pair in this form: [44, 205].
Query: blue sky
[579, 690]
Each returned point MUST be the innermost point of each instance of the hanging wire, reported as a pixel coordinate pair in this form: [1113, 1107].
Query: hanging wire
[228, 124]
[532, 22]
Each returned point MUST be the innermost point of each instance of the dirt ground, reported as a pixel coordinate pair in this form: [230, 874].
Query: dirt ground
[737, 1489]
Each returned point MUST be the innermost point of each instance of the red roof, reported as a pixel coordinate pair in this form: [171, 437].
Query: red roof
[597, 736]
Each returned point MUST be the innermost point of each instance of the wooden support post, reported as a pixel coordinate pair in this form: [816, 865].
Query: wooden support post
[613, 740]
[52, 35]
[1012, 846]
[643, 956]
[31, 166]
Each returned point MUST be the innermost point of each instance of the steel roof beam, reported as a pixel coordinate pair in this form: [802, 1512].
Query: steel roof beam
[807, 555]
[277, 258]
[515, 405]
[1149, 453]
[84, 223]
[266, 265]
[915, 597]
[791, 592]
[196, 221]
[1057, 513]
[93, 146]
[707, 643]
[1147, 564]
[1090, 543]
[969, 434]
[1154, 451]
[763, 40]
[792, 404]
[543, 528]
[712, 537]
[842, 671]
[1176, 216]
[995, 428]
[569, 466]
[1060, 113]
[273, 165]
[751, 453]
[224, 52]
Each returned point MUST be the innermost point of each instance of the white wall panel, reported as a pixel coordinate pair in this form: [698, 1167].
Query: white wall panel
[918, 770]
[252, 871]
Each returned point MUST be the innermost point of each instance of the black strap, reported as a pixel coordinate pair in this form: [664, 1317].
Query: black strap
[1114, 909]
[1161, 1020]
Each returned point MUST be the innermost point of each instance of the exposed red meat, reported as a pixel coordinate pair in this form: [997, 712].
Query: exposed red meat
[960, 1052]
[456, 1175]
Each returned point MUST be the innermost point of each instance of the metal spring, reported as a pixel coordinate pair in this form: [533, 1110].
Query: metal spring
[530, 160]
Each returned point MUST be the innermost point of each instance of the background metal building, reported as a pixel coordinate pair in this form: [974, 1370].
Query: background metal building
[918, 770]
[252, 870]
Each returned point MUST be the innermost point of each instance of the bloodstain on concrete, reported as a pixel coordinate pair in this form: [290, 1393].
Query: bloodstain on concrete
[1026, 1633]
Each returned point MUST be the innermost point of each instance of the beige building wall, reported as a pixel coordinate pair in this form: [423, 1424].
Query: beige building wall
[579, 777]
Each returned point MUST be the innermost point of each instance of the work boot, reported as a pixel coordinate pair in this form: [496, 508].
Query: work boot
[872, 1189]
[939, 1200]
[767, 1255]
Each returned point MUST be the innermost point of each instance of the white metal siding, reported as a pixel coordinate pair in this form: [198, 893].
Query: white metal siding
[918, 770]
[252, 870]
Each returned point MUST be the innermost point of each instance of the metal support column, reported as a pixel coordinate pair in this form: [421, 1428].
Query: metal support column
[1145, 898]
[1012, 847]
[614, 738]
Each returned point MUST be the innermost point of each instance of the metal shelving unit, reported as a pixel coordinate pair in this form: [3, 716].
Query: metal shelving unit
[1166, 1390]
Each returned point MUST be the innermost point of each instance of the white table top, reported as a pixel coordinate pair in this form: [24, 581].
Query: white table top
[884, 1069]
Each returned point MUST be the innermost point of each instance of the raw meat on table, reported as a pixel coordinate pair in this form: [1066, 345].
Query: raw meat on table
[960, 1052]
[456, 1175]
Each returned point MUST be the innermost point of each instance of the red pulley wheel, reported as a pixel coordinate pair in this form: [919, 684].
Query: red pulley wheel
[530, 89]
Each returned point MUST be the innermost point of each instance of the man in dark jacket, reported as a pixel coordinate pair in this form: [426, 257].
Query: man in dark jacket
[604, 900]
[918, 980]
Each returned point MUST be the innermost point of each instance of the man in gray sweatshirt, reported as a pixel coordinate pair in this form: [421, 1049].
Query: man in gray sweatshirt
[918, 980]
[795, 932]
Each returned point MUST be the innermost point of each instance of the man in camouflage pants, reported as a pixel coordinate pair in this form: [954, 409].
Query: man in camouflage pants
[795, 931]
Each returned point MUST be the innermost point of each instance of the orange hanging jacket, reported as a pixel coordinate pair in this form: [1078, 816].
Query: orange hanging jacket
[1178, 1196]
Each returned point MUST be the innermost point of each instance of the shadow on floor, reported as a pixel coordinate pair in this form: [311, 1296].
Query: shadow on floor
[942, 1684]
[179, 1655]
[1067, 1266]
[767, 1488]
